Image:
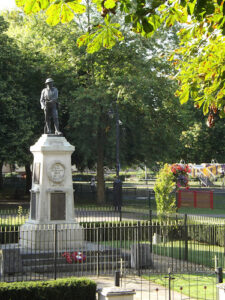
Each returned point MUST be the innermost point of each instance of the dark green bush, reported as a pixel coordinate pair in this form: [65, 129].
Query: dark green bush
[109, 231]
[66, 289]
[209, 234]
[82, 177]
[112, 177]
[9, 234]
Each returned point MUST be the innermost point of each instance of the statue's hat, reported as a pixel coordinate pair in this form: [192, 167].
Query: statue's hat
[49, 80]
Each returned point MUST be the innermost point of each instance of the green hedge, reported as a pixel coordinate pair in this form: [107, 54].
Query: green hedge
[210, 234]
[66, 289]
[127, 230]
[83, 177]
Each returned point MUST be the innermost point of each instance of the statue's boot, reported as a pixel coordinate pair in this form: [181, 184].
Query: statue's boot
[56, 124]
[48, 127]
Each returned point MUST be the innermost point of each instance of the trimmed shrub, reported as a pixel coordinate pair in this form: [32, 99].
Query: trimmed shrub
[66, 289]
[82, 177]
[164, 196]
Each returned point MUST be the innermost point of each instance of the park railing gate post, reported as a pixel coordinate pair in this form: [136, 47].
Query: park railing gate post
[219, 273]
[185, 238]
[138, 247]
[150, 231]
[55, 250]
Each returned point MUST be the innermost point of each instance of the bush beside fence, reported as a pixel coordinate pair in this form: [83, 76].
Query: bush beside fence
[66, 289]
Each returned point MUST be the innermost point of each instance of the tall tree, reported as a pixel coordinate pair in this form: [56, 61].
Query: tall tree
[14, 120]
[32, 70]
[200, 58]
[198, 142]
[89, 85]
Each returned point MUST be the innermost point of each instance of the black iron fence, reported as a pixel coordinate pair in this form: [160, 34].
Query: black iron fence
[83, 214]
[101, 248]
[93, 213]
[84, 193]
[171, 286]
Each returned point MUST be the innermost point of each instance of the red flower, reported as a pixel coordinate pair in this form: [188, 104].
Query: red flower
[67, 256]
[74, 256]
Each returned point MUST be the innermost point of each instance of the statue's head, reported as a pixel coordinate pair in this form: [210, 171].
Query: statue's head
[49, 81]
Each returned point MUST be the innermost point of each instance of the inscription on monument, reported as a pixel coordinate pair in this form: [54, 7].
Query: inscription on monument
[58, 206]
[33, 206]
[56, 172]
[36, 174]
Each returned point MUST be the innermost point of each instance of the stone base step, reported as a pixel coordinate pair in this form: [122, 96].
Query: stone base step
[78, 267]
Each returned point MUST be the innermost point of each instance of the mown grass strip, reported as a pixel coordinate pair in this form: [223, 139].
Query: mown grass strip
[195, 286]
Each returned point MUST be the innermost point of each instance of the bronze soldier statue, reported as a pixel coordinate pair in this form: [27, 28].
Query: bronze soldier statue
[49, 103]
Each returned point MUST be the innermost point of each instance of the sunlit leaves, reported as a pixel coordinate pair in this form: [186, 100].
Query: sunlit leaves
[110, 4]
[105, 35]
[63, 11]
[191, 7]
[53, 13]
[98, 3]
[184, 94]
[32, 6]
[201, 69]
[76, 7]
[57, 11]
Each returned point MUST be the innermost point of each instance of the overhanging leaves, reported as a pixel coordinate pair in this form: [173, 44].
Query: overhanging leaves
[32, 6]
[57, 11]
[105, 36]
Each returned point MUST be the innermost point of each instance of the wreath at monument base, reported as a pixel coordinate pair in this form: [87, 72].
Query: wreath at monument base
[77, 257]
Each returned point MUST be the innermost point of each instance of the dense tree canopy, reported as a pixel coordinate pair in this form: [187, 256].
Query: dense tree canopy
[89, 85]
[15, 122]
[134, 75]
[199, 60]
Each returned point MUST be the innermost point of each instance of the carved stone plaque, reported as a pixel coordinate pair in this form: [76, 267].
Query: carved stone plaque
[36, 173]
[58, 206]
[56, 172]
[33, 206]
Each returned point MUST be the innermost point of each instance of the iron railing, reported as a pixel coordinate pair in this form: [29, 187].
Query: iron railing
[93, 213]
[132, 247]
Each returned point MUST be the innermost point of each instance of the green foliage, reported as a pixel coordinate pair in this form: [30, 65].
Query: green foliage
[70, 288]
[13, 105]
[164, 187]
[82, 177]
[57, 11]
[20, 211]
[200, 58]
[144, 18]
[198, 142]
[105, 35]
[89, 85]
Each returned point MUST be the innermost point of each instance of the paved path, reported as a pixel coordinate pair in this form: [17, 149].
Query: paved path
[145, 290]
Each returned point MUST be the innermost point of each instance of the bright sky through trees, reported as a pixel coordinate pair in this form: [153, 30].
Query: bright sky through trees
[7, 4]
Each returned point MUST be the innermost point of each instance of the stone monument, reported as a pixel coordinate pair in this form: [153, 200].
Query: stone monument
[52, 204]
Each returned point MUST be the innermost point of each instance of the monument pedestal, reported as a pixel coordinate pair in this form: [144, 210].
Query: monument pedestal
[52, 221]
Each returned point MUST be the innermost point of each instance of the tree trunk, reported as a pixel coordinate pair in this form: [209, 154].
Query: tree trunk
[1, 178]
[28, 178]
[100, 166]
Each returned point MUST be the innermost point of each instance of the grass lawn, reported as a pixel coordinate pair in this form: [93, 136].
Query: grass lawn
[198, 253]
[201, 286]
[13, 221]
[202, 211]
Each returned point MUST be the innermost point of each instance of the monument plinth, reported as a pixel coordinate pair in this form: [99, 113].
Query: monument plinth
[52, 202]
